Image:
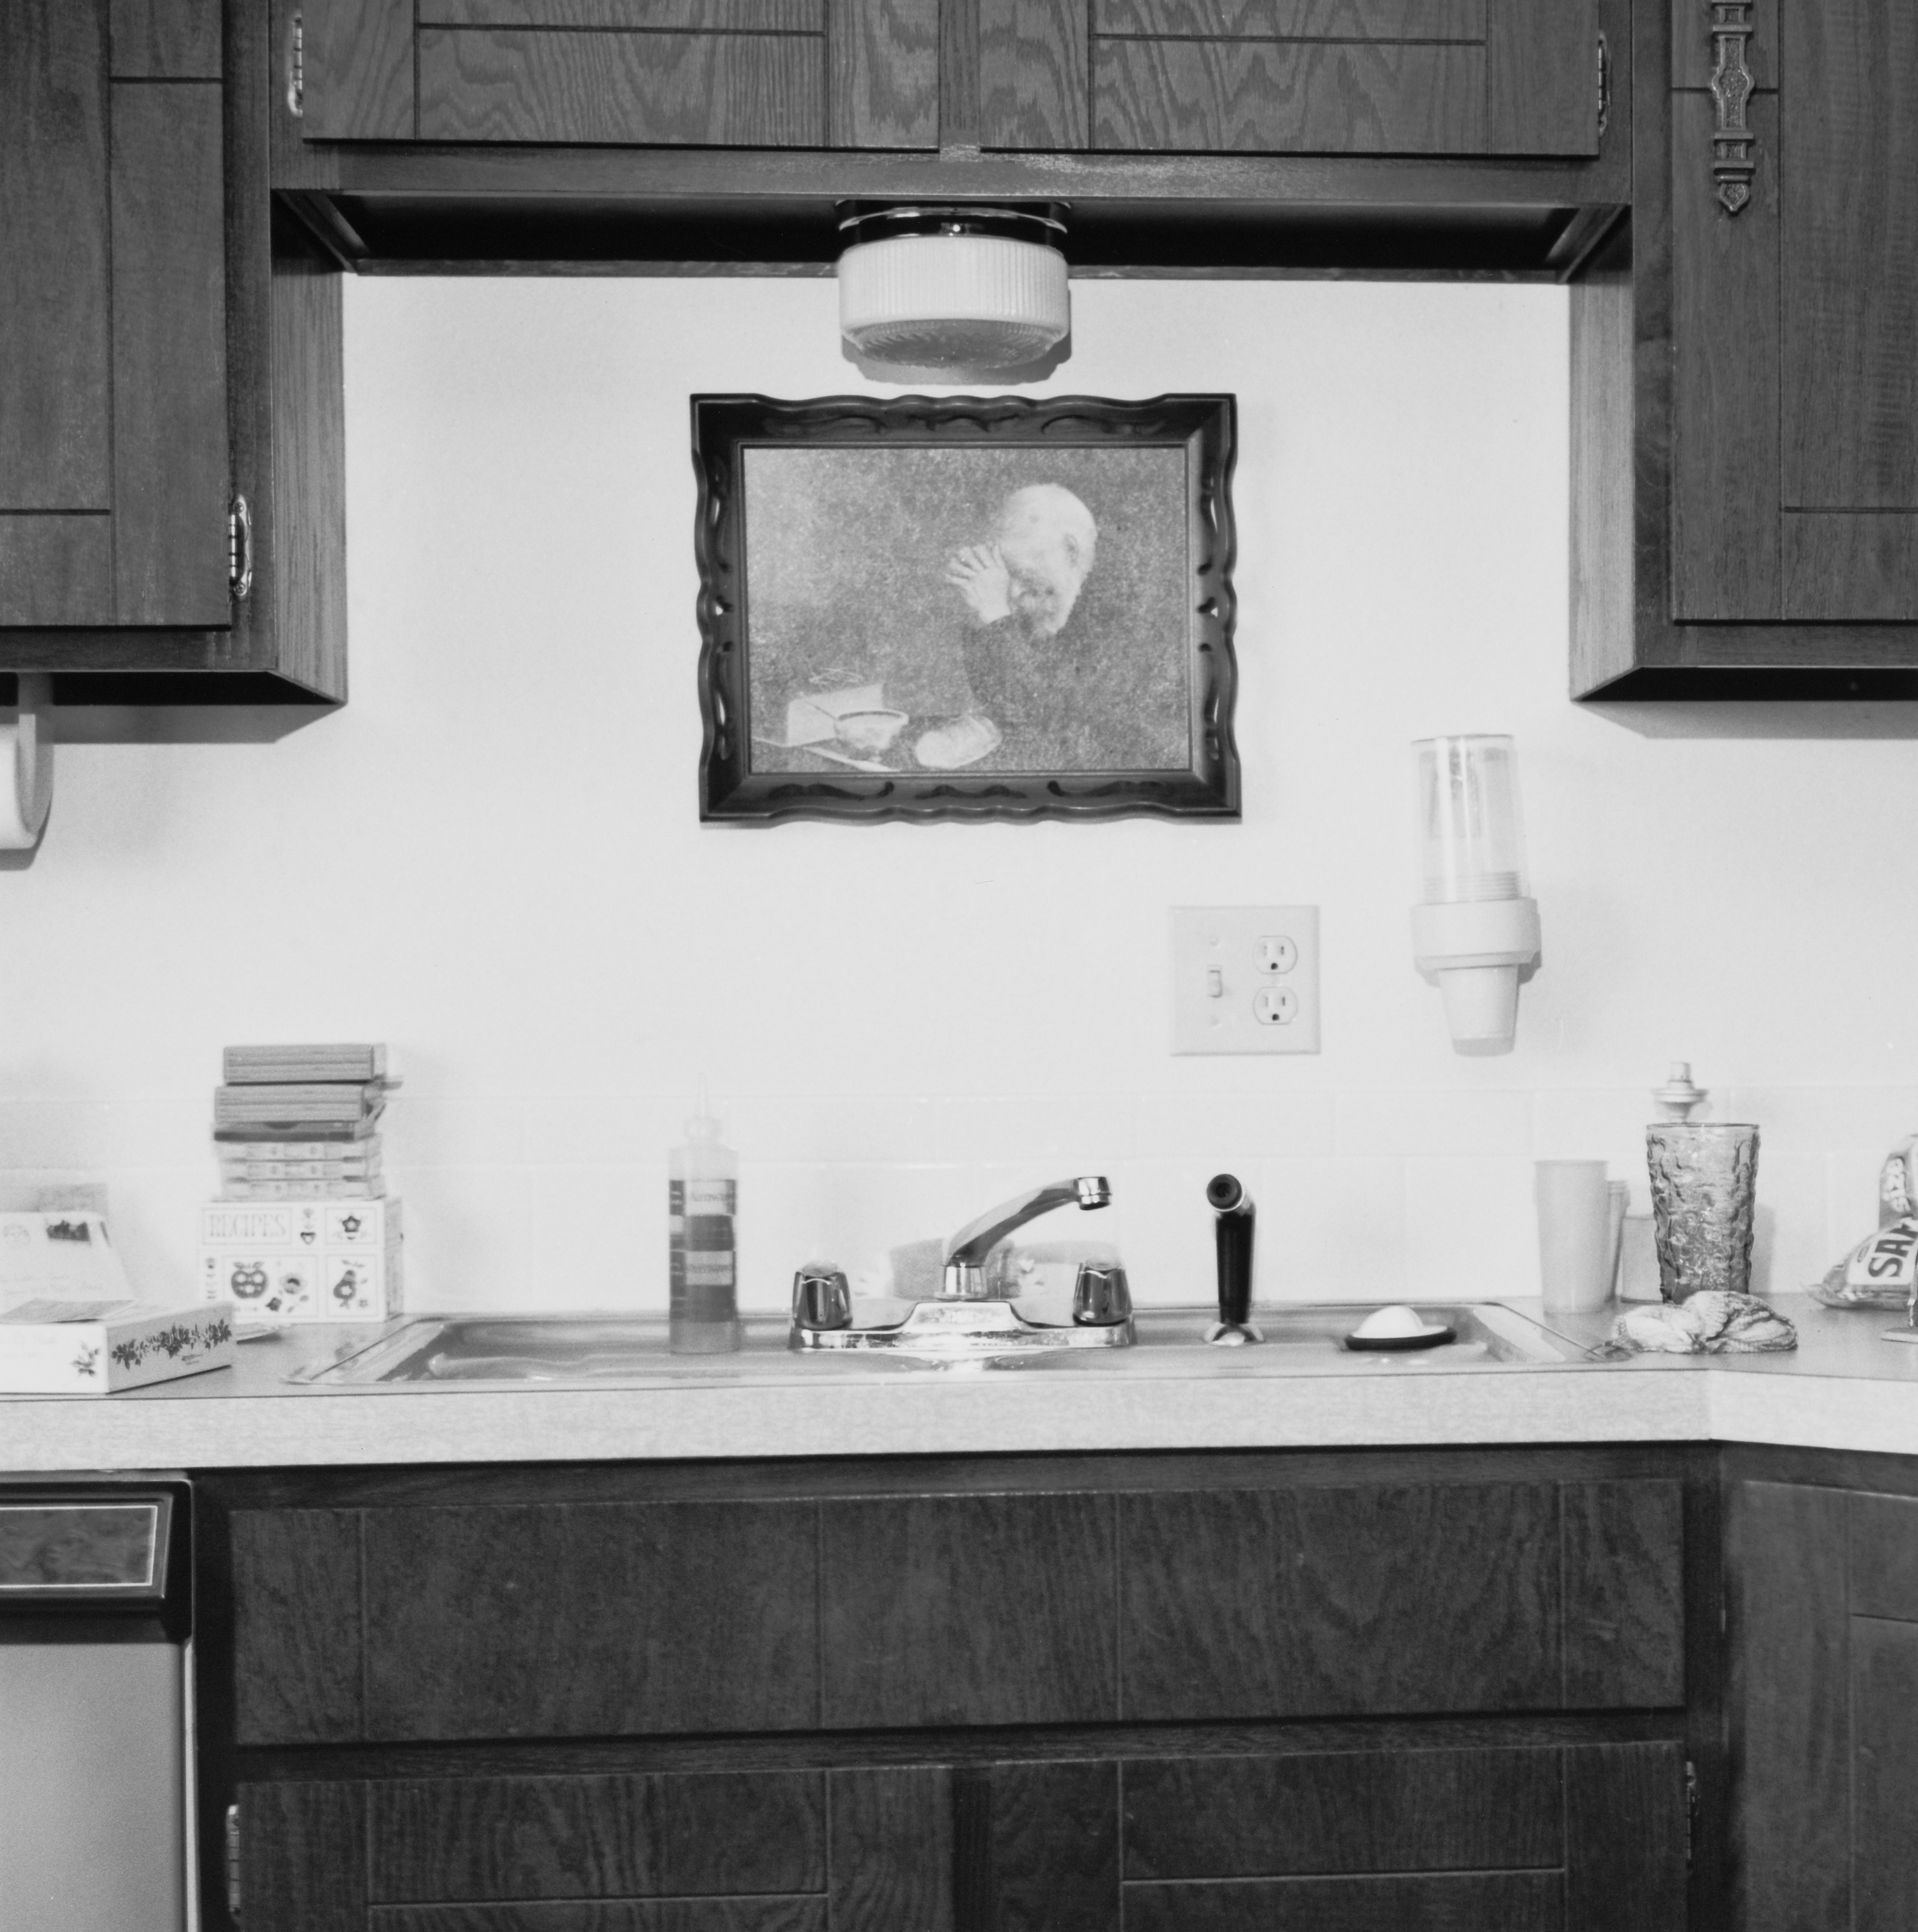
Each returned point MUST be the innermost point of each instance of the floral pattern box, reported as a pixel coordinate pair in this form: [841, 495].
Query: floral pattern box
[49, 1347]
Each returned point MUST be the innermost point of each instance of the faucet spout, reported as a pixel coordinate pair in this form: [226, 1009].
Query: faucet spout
[963, 1277]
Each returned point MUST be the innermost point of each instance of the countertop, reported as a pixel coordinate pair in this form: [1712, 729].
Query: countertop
[1844, 1388]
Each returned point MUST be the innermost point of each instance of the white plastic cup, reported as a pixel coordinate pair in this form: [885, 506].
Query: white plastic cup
[1577, 1257]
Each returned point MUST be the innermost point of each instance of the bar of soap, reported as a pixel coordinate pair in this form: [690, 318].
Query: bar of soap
[1396, 1322]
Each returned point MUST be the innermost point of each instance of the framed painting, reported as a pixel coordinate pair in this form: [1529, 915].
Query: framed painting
[970, 607]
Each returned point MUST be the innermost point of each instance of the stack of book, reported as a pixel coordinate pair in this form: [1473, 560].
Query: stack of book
[303, 1230]
[300, 1122]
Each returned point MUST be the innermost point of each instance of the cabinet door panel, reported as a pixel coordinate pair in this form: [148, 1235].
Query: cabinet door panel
[1347, 1811]
[1457, 1902]
[166, 39]
[729, 16]
[1626, 1847]
[1790, 1750]
[884, 59]
[721, 90]
[1032, 74]
[56, 569]
[1295, 19]
[1882, 1536]
[359, 69]
[303, 1857]
[1849, 255]
[672, 1914]
[1884, 1774]
[1542, 86]
[575, 1620]
[170, 479]
[1624, 1593]
[1724, 471]
[968, 1610]
[1324, 1602]
[296, 1626]
[54, 367]
[460, 1840]
[1263, 96]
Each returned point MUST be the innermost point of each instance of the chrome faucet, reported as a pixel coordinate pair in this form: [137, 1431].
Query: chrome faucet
[963, 1276]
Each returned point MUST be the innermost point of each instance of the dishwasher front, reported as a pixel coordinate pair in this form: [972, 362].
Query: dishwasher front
[96, 1779]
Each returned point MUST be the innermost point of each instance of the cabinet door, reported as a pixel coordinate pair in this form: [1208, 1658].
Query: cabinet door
[736, 73]
[1795, 464]
[1306, 77]
[1591, 1837]
[114, 460]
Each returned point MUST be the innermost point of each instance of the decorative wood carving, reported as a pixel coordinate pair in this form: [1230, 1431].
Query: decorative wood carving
[1732, 163]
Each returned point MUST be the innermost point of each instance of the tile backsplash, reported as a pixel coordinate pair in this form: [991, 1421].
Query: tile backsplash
[492, 858]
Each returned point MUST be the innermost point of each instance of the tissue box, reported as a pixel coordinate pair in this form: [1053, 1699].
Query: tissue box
[303, 1261]
[52, 1347]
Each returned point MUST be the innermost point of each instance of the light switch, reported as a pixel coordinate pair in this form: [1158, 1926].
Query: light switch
[1245, 979]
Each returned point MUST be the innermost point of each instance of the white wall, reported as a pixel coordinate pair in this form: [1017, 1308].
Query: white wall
[491, 858]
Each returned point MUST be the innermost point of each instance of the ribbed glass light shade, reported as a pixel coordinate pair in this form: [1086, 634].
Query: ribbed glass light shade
[950, 301]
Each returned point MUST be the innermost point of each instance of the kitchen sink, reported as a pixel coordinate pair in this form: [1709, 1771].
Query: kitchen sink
[588, 1351]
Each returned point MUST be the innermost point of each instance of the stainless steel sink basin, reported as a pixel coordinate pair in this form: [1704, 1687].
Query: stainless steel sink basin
[630, 1351]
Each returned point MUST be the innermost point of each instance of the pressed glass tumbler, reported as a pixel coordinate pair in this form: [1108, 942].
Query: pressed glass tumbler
[1704, 1185]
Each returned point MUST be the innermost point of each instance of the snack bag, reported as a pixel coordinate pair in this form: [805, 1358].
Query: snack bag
[1897, 1183]
[1878, 1273]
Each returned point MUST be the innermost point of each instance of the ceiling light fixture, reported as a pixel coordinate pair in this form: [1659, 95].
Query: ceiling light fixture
[945, 287]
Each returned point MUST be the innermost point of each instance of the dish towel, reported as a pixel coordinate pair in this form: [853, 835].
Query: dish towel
[1712, 1323]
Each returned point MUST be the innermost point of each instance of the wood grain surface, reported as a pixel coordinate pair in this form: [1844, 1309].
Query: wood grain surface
[296, 1626]
[1474, 1902]
[1052, 1839]
[166, 39]
[1286, 96]
[1296, 19]
[1625, 1849]
[968, 1610]
[1624, 1546]
[476, 1839]
[303, 1857]
[1848, 249]
[1033, 79]
[1849, 566]
[892, 1849]
[676, 1915]
[1314, 1603]
[359, 69]
[1884, 1774]
[1725, 376]
[726, 90]
[1791, 1683]
[55, 375]
[55, 569]
[735, 16]
[882, 64]
[171, 483]
[1882, 1534]
[1343, 1812]
[668, 1616]
[1542, 77]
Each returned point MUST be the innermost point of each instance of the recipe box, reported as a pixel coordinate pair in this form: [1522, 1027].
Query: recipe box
[303, 1261]
[52, 1347]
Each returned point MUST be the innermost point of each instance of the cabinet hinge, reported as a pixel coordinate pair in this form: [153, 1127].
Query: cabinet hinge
[239, 549]
[1691, 1811]
[296, 67]
[233, 1863]
[1605, 86]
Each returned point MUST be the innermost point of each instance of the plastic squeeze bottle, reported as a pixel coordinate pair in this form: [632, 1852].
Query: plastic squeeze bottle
[703, 1196]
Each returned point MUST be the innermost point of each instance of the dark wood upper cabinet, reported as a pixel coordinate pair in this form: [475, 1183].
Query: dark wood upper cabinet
[1745, 424]
[169, 384]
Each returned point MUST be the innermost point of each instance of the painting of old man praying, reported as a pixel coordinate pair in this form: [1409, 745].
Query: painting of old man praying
[942, 611]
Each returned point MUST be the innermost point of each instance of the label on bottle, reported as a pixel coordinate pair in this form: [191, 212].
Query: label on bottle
[701, 1248]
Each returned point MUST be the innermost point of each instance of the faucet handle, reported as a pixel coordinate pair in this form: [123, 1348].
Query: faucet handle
[820, 1297]
[1101, 1297]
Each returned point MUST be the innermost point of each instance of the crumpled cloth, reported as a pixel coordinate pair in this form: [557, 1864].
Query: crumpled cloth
[1712, 1323]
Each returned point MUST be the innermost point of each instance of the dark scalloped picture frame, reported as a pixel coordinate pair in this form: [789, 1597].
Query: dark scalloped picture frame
[724, 426]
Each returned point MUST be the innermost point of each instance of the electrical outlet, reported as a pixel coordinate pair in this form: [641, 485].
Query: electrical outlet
[1245, 979]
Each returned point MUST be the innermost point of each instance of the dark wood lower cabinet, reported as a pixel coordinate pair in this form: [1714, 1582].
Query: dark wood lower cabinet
[1013, 1695]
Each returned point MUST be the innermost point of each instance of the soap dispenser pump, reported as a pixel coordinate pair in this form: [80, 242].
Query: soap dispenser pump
[702, 1199]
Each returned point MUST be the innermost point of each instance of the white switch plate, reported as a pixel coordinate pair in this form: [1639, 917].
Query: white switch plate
[1247, 948]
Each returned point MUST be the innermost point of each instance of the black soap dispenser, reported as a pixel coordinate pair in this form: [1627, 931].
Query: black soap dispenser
[1233, 1207]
